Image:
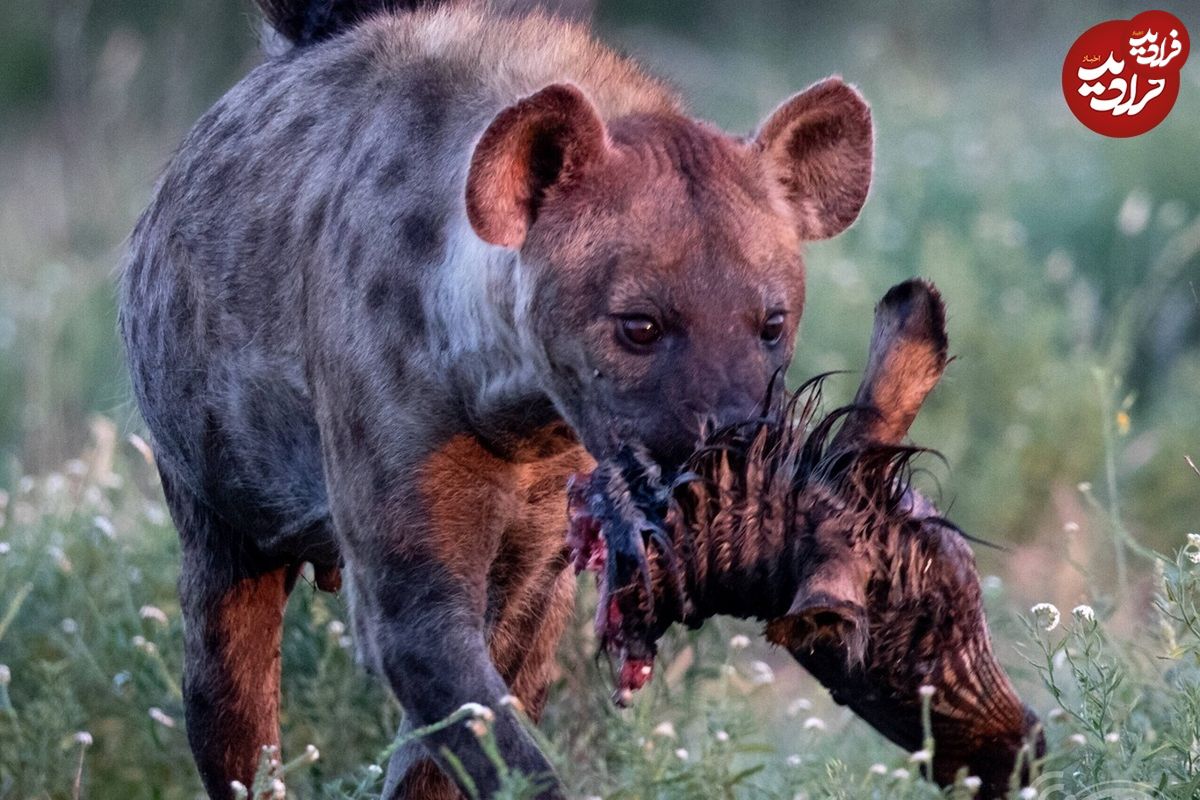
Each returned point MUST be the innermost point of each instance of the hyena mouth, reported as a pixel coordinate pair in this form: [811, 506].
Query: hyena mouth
[809, 523]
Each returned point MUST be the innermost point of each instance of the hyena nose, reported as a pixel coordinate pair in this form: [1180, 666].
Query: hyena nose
[736, 409]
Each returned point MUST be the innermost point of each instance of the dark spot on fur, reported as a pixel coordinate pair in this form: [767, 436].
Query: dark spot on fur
[298, 128]
[390, 293]
[226, 130]
[422, 236]
[314, 223]
[353, 259]
[274, 107]
[379, 291]
[365, 162]
[393, 175]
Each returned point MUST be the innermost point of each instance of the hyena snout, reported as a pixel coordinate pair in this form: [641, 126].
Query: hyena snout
[673, 434]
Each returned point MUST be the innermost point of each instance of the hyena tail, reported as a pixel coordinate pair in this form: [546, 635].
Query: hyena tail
[305, 22]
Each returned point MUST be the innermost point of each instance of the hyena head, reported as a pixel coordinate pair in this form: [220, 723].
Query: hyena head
[664, 256]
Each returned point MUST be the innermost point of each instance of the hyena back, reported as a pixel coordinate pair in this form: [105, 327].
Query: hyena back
[394, 288]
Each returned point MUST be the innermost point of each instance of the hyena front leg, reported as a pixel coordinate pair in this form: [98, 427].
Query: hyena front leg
[522, 643]
[429, 638]
[233, 604]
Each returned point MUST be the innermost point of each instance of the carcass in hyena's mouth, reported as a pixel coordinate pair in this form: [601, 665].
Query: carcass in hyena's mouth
[809, 523]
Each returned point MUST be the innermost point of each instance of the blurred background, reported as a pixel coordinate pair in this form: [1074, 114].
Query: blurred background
[1070, 262]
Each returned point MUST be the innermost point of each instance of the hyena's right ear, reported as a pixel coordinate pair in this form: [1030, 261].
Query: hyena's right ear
[534, 146]
[819, 146]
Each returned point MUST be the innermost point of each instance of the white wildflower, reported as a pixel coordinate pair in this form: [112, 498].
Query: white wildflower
[926, 690]
[901, 774]
[478, 711]
[794, 760]
[374, 770]
[154, 614]
[155, 514]
[105, 526]
[878, 769]
[1192, 549]
[336, 628]
[69, 626]
[1071, 526]
[1084, 612]
[721, 736]
[739, 642]
[814, 724]
[278, 790]
[161, 717]
[1028, 793]
[664, 729]
[920, 757]
[5, 548]
[972, 783]
[799, 704]
[144, 645]
[512, 701]
[60, 558]
[1134, 214]
[761, 673]
[311, 754]
[83, 738]
[1056, 715]
[93, 497]
[1047, 615]
[681, 754]
[1084, 487]
[1077, 739]
[1112, 737]
[240, 792]
[5, 675]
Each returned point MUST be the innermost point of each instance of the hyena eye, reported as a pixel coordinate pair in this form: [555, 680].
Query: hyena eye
[639, 331]
[772, 329]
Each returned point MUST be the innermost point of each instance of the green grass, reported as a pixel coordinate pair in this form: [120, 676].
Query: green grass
[90, 706]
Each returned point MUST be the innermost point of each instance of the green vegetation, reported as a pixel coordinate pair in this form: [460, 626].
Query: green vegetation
[1070, 265]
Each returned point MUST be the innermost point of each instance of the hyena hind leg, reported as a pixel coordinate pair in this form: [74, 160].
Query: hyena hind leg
[233, 631]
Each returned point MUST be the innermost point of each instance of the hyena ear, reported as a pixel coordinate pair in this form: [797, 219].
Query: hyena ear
[537, 145]
[819, 146]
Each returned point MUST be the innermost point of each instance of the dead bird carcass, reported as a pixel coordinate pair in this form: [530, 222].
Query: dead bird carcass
[810, 525]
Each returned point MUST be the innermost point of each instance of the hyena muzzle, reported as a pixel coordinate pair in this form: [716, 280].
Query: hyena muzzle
[400, 282]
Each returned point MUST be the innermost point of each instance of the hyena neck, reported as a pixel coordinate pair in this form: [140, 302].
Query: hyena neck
[484, 343]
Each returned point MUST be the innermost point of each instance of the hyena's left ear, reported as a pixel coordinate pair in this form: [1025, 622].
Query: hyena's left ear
[819, 146]
[533, 147]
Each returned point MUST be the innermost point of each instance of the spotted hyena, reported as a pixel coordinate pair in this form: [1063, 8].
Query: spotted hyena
[400, 282]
